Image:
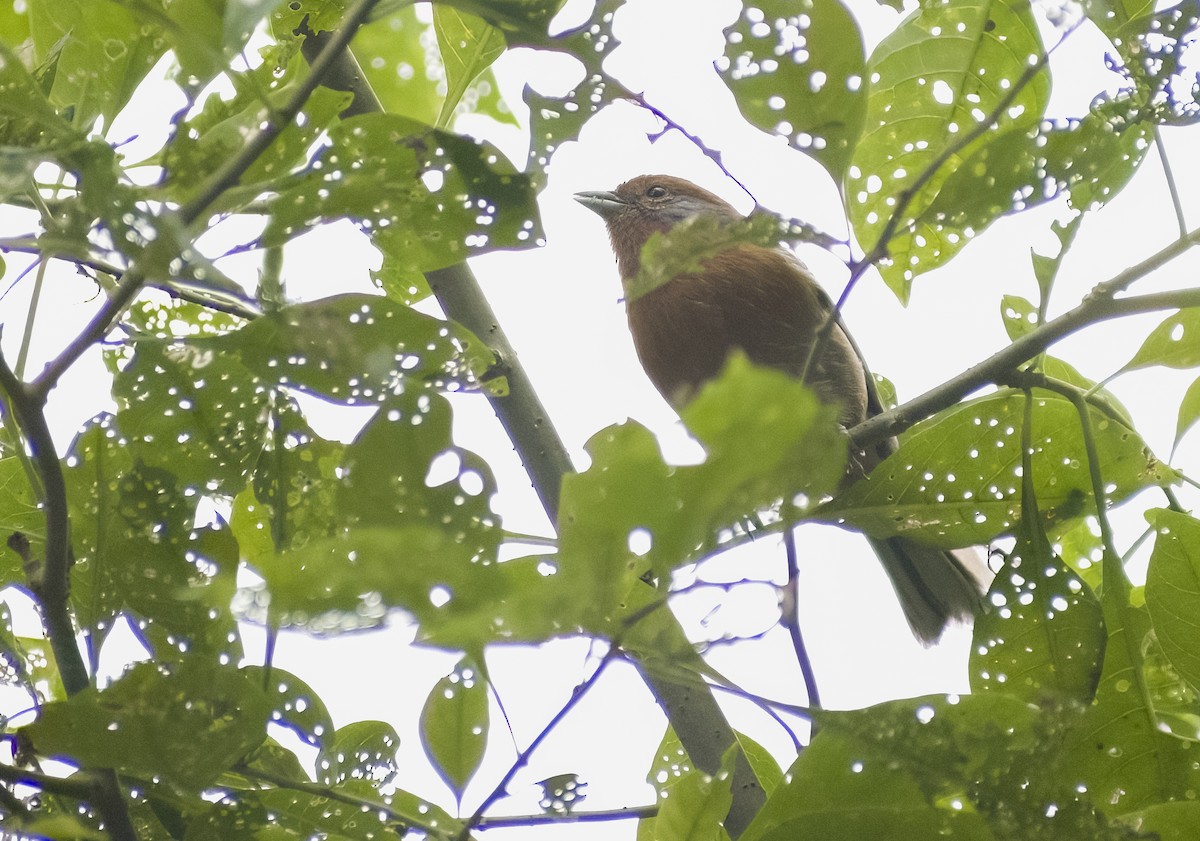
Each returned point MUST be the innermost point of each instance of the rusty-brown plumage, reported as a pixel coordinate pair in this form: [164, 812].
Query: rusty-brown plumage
[765, 302]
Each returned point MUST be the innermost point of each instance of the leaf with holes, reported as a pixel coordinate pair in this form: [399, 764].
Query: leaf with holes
[936, 78]
[454, 725]
[835, 789]
[696, 803]
[192, 410]
[435, 197]
[136, 548]
[1091, 160]
[364, 750]
[974, 495]
[1173, 590]
[348, 348]
[404, 468]
[1041, 633]
[1020, 316]
[294, 704]
[798, 70]
[1175, 343]
[555, 120]
[1117, 750]
[109, 48]
[186, 721]
[769, 441]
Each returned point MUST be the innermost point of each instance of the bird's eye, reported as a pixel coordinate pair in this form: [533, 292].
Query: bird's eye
[656, 192]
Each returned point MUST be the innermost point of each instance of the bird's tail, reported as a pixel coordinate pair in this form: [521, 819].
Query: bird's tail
[935, 586]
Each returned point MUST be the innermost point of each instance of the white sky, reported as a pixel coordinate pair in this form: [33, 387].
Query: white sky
[560, 308]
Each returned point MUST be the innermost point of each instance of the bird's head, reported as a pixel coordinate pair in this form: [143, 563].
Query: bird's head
[646, 204]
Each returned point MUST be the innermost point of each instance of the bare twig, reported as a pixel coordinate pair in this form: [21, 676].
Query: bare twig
[632, 813]
[791, 620]
[1169, 176]
[522, 759]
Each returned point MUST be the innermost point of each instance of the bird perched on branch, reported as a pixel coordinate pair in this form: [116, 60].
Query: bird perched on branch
[764, 301]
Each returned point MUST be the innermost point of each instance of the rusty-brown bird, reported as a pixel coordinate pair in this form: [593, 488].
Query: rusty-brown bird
[765, 302]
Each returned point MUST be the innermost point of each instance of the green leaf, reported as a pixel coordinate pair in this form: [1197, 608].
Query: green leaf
[974, 494]
[1045, 268]
[217, 131]
[136, 548]
[1167, 821]
[1020, 316]
[798, 71]
[433, 197]
[766, 769]
[975, 755]
[294, 704]
[468, 45]
[14, 26]
[318, 816]
[195, 411]
[353, 349]
[1090, 159]
[108, 47]
[454, 725]
[933, 80]
[400, 65]
[1042, 633]
[19, 514]
[835, 791]
[1175, 343]
[1173, 590]
[696, 804]
[555, 120]
[683, 249]
[364, 750]
[186, 721]
[1117, 749]
[1189, 412]
[768, 439]
[527, 19]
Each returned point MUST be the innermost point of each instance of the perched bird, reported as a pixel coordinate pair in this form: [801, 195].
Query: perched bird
[765, 302]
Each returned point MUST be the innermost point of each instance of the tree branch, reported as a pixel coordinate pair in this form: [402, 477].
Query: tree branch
[1099, 305]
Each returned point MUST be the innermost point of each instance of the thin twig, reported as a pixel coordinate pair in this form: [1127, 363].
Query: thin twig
[1172, 186]
[631, 813]
[791, 620]
[79, 786]
[523, 757]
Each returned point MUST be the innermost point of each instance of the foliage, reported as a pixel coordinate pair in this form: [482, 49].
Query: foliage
[204, 499]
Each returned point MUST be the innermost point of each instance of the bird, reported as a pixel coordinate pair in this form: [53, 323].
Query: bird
[764, 301]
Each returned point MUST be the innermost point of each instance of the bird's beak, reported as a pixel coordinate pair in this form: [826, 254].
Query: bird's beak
[604, 202]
